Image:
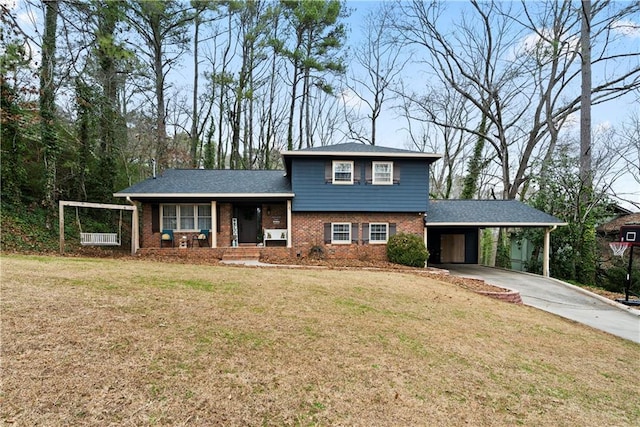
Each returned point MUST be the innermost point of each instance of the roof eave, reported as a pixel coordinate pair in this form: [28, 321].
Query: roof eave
[204, 195]
[495, 224]
[431, 156]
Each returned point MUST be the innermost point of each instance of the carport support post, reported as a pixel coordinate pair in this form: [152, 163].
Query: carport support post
[545, 251]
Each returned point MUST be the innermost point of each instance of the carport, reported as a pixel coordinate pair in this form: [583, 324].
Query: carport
[453, 227]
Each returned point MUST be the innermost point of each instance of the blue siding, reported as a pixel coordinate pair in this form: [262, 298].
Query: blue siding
[313, 194]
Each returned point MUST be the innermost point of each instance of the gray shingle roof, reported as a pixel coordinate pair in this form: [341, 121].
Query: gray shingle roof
[507, 213]
[354, 147]
[207, 182]
[357, 149]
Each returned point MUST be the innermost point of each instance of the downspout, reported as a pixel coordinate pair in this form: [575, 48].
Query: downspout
[135, 232]
[545, 251]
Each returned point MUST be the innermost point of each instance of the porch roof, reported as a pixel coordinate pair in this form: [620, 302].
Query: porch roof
[208, 183]
[487, 213]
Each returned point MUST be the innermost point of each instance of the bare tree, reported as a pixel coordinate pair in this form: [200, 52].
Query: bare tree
[625, 147]
[200, 111]
[525, 91]
[161, 26]
[379, 63]
[441, 104]
[317, 36]
[585, 100]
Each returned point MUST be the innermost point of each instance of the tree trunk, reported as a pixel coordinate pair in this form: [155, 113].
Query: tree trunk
[194, 108]
[474, 169]
[48, 107]
[161, 129]
[585, 103]
[109, 101]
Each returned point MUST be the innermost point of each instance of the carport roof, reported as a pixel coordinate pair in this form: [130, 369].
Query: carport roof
[487, 213]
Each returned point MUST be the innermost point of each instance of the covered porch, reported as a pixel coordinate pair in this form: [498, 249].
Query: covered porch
[190, 224]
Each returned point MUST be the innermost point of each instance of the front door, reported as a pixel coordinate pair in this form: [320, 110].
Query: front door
[248, 220]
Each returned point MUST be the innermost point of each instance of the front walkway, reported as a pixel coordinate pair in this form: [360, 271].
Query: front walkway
[560, 298]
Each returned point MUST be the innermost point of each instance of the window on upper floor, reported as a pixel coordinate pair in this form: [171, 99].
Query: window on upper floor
[342, 172]
[382, 173]
[186, 217]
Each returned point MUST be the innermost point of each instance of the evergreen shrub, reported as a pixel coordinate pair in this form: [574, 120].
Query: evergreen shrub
[407, 249]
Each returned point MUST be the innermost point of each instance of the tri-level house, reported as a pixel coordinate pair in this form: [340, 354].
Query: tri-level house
[341, 201]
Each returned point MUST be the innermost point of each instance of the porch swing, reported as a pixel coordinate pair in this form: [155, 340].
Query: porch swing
[100, 239]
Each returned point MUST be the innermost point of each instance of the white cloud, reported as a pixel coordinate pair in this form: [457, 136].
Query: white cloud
[541, 45]
[603, 127]
[350, 99]
[627, 28]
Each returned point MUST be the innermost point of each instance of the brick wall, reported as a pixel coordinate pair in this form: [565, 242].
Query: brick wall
[274, 215]
[308, 231]
[149, 239]
[225, 211]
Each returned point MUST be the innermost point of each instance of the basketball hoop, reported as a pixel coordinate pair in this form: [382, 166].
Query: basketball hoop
[619, 248]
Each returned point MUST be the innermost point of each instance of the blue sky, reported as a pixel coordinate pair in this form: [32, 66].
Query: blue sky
[392, 128]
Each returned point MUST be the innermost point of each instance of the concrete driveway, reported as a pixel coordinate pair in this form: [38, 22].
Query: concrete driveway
[560, 298]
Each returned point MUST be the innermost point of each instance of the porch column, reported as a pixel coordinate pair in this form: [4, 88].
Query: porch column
[214, 224]
[545, 252]
[288, 223]
[135, 229]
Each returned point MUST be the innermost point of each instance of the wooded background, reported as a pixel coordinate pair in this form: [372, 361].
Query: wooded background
[93, 90]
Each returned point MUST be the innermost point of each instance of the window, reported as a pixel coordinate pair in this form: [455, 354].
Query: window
[186, 217]
[378, 232]
[169, 217]
[342, 172]
[382, 173]
[340, 232]
[204, 217]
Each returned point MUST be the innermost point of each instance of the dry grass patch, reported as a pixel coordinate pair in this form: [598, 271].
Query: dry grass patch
[88, 342]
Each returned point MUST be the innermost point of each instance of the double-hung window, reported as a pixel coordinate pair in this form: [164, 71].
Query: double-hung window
[378, 232]
[341, 232]
[204, 217]
[382, 173]
[342, 172]
[186, 217]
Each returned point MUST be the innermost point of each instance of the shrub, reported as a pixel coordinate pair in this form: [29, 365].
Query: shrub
[407, 249]
[615, 279]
